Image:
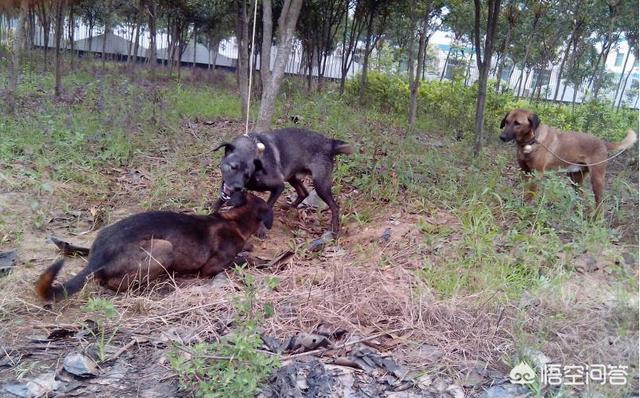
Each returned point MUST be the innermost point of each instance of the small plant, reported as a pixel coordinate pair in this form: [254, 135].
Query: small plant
[233, 366]
[104, 311]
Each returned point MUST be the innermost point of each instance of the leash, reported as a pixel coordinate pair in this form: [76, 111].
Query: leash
[577, 164]
[253, 43]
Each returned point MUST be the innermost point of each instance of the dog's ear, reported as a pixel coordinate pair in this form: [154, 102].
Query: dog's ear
[266, 217]
[258, 164]
[504, 120]
[534, 121]
[227, 148]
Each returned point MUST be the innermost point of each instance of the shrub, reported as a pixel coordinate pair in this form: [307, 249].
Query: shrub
[450, 105]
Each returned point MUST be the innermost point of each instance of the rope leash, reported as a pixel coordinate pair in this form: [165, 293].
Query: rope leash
[253, 43]
[582, 164]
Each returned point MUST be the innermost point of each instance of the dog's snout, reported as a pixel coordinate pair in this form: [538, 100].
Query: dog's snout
[503, 137]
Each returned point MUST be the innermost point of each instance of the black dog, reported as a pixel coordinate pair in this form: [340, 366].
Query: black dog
[264, 161]
[146, 246]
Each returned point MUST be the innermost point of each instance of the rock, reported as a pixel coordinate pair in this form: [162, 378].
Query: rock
[472, 379]
[8, 260]
[80, 365]
[586, 263]
[456, 391]
[538, 357]
[319, 244]
[505, 391]
[42, 385]
[18, 390]
[220, 281]
[314, 201]
[386, 235]
[430, 353]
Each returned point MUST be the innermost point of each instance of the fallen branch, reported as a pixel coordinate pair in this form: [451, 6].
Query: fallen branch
[347, 344]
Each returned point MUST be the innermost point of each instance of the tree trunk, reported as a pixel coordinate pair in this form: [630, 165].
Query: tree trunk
[72, 33]
[500, 64]
[564, 90]
[90, 38]
[242, 33]
[576, 88]
[267, 40]
[153, 45]
[624, 67]
[14, 65]
[214, 55]
[130, 45]
[136, 46]
[561, 68]
[195, 42]
[446, 62]
[286, 29]
[365, 63]
[59, 30]
[624, 86]
[493, 7]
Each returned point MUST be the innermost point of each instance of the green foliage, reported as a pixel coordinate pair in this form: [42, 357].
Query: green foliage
[104, 312]
[233, 366]
[450, 105]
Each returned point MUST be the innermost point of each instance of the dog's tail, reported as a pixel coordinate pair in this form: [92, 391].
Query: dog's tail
[339, 147]
[48, 292]
[629, 140]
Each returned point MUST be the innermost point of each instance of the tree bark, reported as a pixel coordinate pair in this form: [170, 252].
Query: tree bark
[624, 86]
[483, 64]
[624, 67]
[286, 28]
[14, 65]
[267, 40]
[195, 42]
[365, 63]
[242, 33]
[153, 45]
[59, 30]
[72, 33]
[446, 62]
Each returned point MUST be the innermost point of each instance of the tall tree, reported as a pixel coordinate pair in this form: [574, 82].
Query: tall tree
[14, 65]
[483, 60]
[151, 9]
[59, 34]
[423, 17]
[377, 13]
[271, 81]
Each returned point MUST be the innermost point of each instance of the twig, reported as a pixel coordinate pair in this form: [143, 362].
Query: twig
[347, 344]
[123, 349]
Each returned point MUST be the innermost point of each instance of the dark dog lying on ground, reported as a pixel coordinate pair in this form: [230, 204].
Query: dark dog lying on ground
[541, 148]
[264, 161]
[144, 246]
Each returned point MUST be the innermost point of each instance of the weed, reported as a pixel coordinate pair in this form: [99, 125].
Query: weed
[104, 312]
[233, 366]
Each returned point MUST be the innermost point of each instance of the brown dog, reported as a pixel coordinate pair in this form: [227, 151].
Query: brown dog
[145, 246]
[541, 148]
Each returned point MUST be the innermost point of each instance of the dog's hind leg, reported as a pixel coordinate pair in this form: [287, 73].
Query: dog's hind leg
[301, 191]
[322, 184]
[597, 183]
[140, 264]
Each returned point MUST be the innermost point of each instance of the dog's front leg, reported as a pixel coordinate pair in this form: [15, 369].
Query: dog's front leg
[276, 191]
[530, 186]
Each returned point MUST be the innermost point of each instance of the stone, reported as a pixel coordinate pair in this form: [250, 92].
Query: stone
[505, 391]
[80, 365]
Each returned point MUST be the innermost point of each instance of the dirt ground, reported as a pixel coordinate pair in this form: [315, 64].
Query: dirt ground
[364, 283]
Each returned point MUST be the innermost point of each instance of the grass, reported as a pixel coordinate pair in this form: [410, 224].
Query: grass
[84, 151]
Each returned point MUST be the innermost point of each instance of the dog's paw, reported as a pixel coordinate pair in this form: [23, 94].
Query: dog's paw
[262, 232]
